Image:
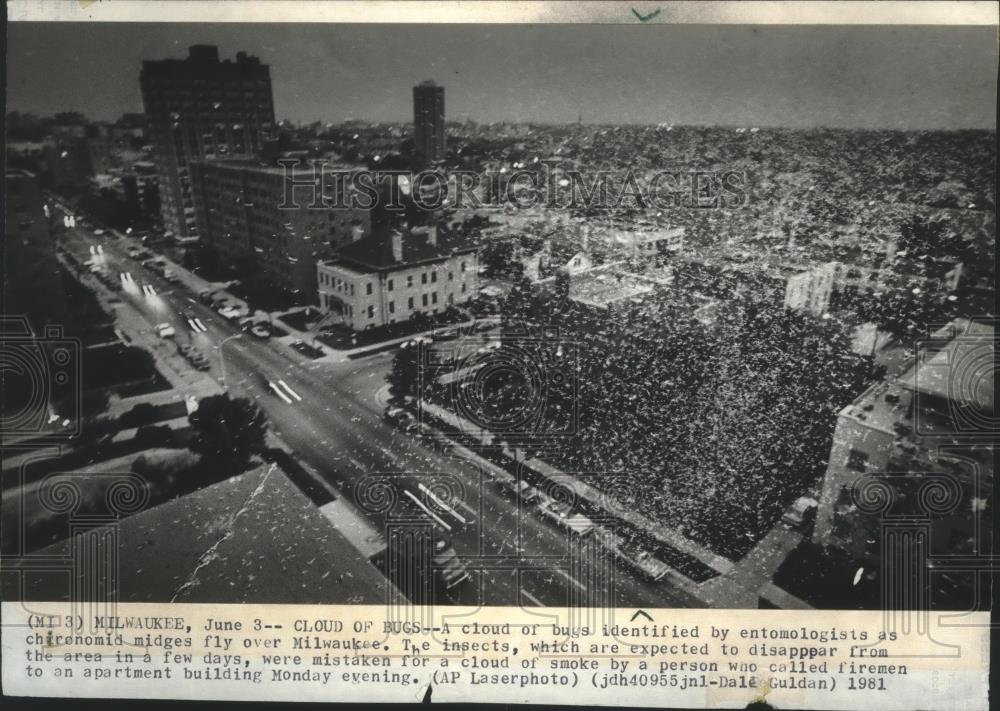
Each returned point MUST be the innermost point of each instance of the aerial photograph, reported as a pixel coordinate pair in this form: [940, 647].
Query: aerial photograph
[587, 316]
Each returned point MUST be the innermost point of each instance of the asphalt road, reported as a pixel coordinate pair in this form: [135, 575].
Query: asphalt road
[329, 416]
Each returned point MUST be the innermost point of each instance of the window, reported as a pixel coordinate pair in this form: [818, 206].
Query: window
[409, 280]
[451, 276]
[352, 289]
[388, 285]
[409, 303]
[434, 276]
[463, 288]
[423, 277]
[371, 312]
[857, 460]
[368, 289]
[392, 307]
[463, 266]
[434, 297]
[423, 299]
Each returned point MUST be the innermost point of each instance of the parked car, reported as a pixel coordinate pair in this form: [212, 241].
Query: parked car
[206, 296]
[231, 312]
[561, 512]
[447, 335]
[170, 276]
[643, 561]
[447, 565]
[520, 488]
[165, 330]
[400, 418]
[802, 513]
[260, 331]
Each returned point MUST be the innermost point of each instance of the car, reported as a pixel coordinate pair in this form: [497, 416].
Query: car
[643, 561]
[520, 488]
[165, 330]
[802, 513]
[170, 276]
[133, 252]
[206, 296]
[260, 331]
[447, 565]
[562, 513]
[400, 418]
[98, 233]
[230, 312]
[447, 335]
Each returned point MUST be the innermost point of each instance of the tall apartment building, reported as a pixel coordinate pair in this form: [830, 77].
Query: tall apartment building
[386, 279]
[911, 464]
[243, 219]
[428, 122]
[200, 108]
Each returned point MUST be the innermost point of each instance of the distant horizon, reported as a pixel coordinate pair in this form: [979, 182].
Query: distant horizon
[459, 122]
[778, 77]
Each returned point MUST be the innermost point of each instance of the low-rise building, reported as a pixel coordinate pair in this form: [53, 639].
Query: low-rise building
[387, 278]
[816, 290]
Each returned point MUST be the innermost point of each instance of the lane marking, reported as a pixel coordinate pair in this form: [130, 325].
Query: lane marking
[570, 578]
[426, 510]
[279, 392]
[291, 392]
[441, 503]
[531, 597]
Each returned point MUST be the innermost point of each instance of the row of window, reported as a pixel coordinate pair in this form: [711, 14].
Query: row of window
[341, 285]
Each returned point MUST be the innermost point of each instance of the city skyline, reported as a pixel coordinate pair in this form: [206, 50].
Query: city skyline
[929, 77]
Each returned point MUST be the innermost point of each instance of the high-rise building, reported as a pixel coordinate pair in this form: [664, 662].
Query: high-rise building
[200, 108]
[428, 122]
[244, 223]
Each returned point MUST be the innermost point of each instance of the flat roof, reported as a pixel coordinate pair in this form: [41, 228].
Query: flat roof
[253, 538]
[962, 370]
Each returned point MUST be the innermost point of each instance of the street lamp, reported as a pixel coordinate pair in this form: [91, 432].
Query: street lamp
[222, 360]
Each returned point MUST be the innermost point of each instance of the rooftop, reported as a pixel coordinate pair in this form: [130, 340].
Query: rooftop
[254, 538]
[375, 252]
[954, 368]
[605, 285]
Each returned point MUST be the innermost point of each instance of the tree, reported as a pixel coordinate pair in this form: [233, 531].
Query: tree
[227, 431]
[403, 377]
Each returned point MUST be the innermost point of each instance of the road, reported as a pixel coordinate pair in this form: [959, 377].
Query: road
[329, 416]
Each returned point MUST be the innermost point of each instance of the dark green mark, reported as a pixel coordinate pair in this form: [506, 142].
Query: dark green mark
[646, 18]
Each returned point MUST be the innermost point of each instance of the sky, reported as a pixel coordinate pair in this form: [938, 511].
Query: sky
[797, 76]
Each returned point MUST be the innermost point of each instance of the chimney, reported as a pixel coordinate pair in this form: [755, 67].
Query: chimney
[357, 232]
[397, 245]
[432, 235]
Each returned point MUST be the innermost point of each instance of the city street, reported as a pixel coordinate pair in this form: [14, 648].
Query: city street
[328, 414]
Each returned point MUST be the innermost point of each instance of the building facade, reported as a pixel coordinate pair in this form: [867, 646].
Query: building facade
[383, 280]
[200, 108]
[428, 123]
[243, 219]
